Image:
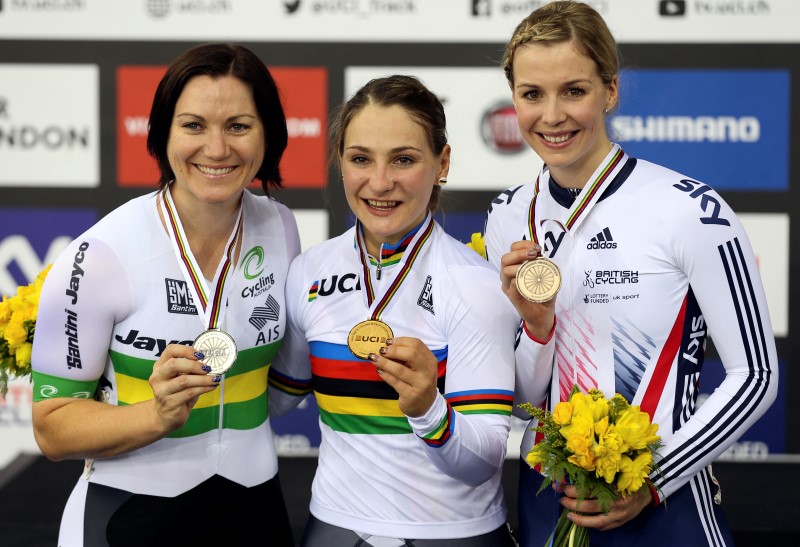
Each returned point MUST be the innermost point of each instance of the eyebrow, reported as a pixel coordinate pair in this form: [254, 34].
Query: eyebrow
[393, 150]
[230, 118]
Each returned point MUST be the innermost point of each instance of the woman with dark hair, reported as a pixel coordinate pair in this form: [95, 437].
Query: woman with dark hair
[648, 269]
[144, 362]
[408, 339]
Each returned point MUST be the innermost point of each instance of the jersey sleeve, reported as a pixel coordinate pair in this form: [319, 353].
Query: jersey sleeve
[290, 373]
[465, 432]
[534, 358]
[85, 293]
[712, 248]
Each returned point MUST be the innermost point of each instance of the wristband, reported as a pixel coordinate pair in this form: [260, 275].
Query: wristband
[653, 492]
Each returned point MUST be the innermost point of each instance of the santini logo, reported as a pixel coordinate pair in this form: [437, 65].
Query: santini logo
[603, 240]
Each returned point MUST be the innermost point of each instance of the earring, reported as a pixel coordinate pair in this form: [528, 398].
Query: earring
[443, 181]
[605, 111]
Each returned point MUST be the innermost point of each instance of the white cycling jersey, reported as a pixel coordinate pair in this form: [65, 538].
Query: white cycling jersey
[380, 472]
[113, 301]
[653, 262]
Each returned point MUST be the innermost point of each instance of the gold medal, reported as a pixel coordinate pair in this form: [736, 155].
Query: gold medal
[538, 280]
[368, 337]
[219, 349]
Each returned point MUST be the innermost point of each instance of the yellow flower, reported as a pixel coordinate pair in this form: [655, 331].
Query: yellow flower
[16, 333]
[5, 310]
[635, 428]
[580, 440]
[633, 472]
[477, 244]
[23, 355]
[17, 325]
[562, 413]
[609, 453]
[535, 456]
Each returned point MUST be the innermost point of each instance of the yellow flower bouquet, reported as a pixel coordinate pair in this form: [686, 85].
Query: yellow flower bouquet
[477, 244]
[17, 326]
[604, 447]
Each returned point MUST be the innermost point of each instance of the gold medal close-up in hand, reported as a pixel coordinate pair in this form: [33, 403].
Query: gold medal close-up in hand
[219, 349]
[368, 337]
[538, 280]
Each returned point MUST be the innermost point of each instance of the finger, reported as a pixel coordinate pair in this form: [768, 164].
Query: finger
[525, 244]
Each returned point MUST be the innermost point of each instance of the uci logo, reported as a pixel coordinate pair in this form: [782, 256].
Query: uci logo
[252, 261]
[378, 339]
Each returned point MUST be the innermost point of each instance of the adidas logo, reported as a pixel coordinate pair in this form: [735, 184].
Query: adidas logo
[602, 240]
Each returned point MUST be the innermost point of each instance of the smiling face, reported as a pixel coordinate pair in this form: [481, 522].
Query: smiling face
[560, 101]
[216, 141]
[389, 170]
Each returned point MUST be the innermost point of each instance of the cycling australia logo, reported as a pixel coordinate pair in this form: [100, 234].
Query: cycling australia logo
[602, 240]
[253, 268]
[253, 262]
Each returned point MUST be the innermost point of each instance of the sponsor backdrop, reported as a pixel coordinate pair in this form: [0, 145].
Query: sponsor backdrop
[706, 90]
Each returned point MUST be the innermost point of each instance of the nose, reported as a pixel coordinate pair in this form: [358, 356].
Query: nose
[382, 181]
[217, 145]
[553, 113]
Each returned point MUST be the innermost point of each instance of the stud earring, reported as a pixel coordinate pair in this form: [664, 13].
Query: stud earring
[443, 181]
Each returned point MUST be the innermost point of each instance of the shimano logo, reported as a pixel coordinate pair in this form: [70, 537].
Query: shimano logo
[602, 240]
[687, 128]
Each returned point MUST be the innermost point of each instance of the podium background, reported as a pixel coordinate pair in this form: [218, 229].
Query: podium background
[708, 90]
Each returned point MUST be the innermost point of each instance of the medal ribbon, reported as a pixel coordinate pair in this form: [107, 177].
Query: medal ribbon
[409, 256]
[209, 299]
[590, 194]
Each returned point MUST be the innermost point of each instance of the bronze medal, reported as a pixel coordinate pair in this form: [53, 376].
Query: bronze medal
[538, 280]
[368, 337]
[219, 349]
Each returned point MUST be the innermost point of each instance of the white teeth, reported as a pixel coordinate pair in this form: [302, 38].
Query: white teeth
[214, 171]
[381, 204]
[557, 139]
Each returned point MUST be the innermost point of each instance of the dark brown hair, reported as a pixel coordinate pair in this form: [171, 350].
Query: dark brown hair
[218, 60]
[401, 90]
